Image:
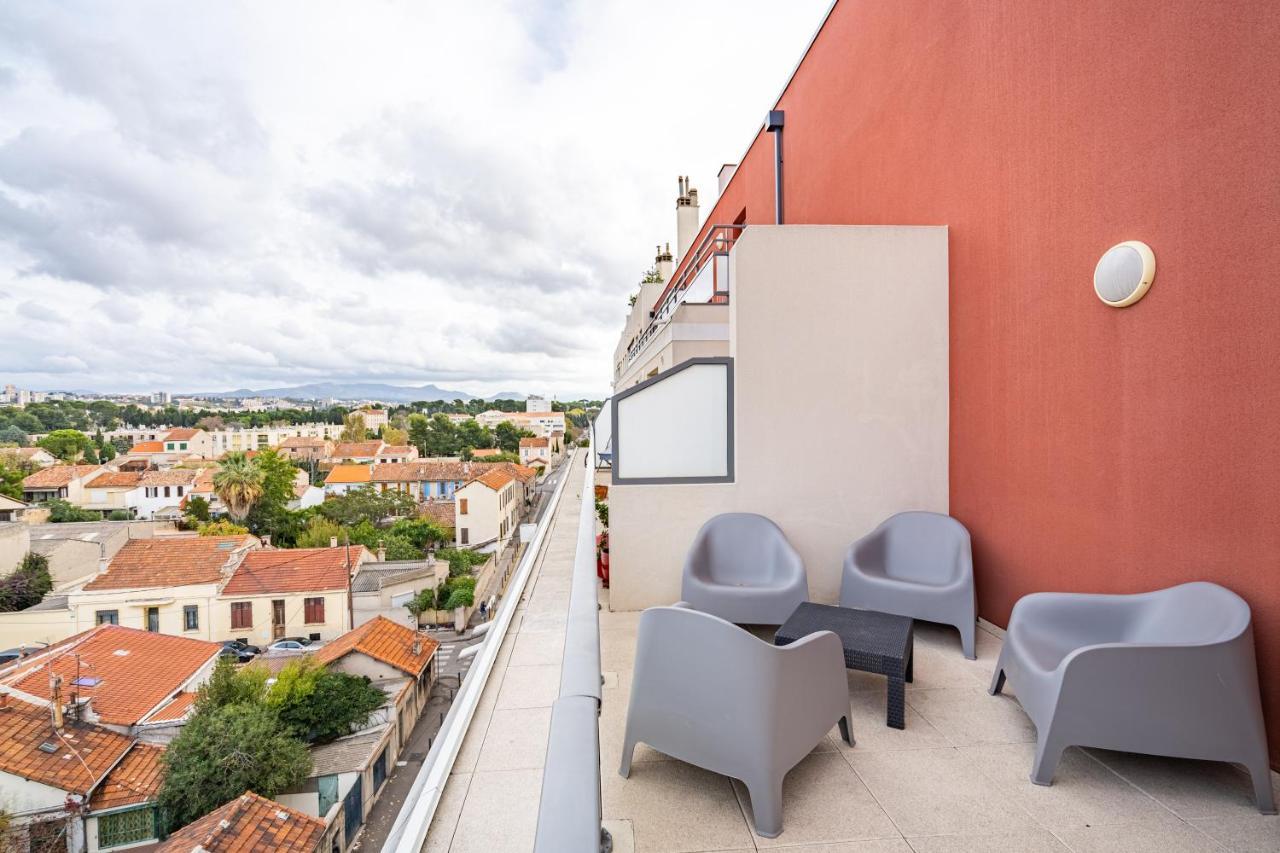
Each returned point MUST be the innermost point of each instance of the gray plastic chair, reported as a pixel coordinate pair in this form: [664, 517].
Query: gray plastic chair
[1169, 672]
[742, 568]
[916, 564]
[709, 693]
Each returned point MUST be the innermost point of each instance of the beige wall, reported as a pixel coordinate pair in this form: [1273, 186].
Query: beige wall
[696, 330]
[15, 542]
[840, 341]
[337, 619]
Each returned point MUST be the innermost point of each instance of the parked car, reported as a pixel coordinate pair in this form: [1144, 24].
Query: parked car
[242, 646]
[290, 646]
[239, 651]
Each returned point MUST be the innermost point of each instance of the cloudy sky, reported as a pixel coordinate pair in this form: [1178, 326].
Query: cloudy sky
[204, 196]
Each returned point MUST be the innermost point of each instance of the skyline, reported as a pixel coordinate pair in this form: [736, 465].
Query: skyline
[288, 194]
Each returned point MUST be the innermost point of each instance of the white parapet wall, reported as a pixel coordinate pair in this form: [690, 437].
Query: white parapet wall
[839, 340]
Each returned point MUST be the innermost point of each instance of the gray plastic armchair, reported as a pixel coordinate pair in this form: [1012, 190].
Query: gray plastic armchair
[916, 564]
[1170, 672]
[711, 694]
[742, 568]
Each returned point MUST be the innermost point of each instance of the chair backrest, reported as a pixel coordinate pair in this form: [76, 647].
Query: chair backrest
[924, 547]
[1197, 613]
[738, 547]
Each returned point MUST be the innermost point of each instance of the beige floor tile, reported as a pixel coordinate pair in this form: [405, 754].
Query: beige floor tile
[675, 808]
[870, 733]
[937, 792]
[823, 800]
[617, 650]
[875, 845]
[500, 813]
[1031, 841]
[967, 716]
[539, 648]
[1191, 789]
[1084, 792]
[1243, 833]
[469, 752]
[1168, 836]
[940, 662]
[445, 820]
[516, 740]
[544, 621]
[529, 687]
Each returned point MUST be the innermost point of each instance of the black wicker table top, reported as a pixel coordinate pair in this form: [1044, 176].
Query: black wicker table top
[873, 641]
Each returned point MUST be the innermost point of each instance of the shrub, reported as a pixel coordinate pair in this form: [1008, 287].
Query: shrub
[60, 512]
[27, 585]
[222, 528]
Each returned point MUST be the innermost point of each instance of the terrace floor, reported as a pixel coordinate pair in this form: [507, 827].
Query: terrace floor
[954, 780]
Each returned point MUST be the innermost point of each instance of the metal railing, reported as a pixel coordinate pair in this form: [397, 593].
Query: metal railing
[569, 815]
[409, 831]
[714, 246]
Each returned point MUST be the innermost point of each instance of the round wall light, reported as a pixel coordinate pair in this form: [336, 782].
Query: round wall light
[1124, 273]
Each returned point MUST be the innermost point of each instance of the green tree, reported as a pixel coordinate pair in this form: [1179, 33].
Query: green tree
[119, 515]
[232, 685]
[319, 705]
[61, 511]
[472, 434]
[69, 445]
[270, 514]
[13, 435]
[507, 435]
[222, 527]
[198, 508]
[366, 504]
[462, 593]
[353, 428]
[394, 435]
[223, 752]
[461, 560]
[239, 484]
[27, 585]
[319, 532]
[11, 477]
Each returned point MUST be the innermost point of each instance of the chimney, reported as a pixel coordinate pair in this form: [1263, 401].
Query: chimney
[417, 645]
[55, 699]
[663, 262]
[382, 551]
[686, 218]
[266, 541]
[333, 541]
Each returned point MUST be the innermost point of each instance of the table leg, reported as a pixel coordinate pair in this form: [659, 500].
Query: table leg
[897, 701]
[911, 663]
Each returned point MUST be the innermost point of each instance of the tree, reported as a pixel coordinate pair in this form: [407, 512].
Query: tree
[222, 528]
[462, 593]
[27, 585]
[231, 685]
[13, 435]
[367, 504]
[221, 753]
[119, 515]
[392, 435]
[319, 705]
[422, 532]
[472, 434]
[106, 450]
[507, 435]
[211, 423]
[353, 428]
[461, 560]
[11, 477]
[61, 511]
[270, 514]
[69, 445]
[197, 508]
[422, 603]
[652, 276]
[319, 533]
[239, 484]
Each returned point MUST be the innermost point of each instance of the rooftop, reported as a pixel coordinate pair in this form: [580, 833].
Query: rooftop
[381, 639]
[136, 779]
[247, 824]
[345, 755]
[143, 447]
[178, 561]
[371, 577]
[348, 474]
[294, 570]
[171, 477]
[115, 480]
[125, 671]
[357, 450]
[57, 476]
[495, 479]
[535, 442]
[73, 760]
[182, 434]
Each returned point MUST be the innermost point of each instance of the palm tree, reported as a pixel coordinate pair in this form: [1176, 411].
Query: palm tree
[239, 484]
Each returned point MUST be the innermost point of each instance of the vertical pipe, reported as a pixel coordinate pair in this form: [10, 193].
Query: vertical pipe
[773, 124]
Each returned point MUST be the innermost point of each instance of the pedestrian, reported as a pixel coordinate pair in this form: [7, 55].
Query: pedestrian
[484, 611]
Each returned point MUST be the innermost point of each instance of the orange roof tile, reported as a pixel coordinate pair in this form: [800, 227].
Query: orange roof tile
[57, 476]
[481, 452]
[148, 447]
[535, 442]
[523, 473]
[74, 762]
[384, 640]
[442, 512]
[357, 450]
[398, 450]
[125, 671]
[177, 561]
[348, 474]
[302, 441]
[114, 480]
[495, 479]
[175, 709]
[171, 477]
[134, 780]
[294, 570]
[248, 824]
[181, 434]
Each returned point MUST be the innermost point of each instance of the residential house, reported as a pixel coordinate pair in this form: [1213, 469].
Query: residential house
[187, 441]
[251, 824]
[306, 495]
[440, 510]
[78, 550]
[305, 449]
[344, 478]
[391, 453]
[383, 588]
[295, 592]
[58, 481]
[356, 451]
[164, 492]
[482, 452]
[34, 456]
[488, 509]
[535, 448]
[112, 491]
[541, 424]
[387, 651]
[10, 509]
[123, 809]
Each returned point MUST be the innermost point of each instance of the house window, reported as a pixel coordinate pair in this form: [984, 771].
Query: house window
[166, 491]
[129, 827]
[153, 619]
[328, 789]
[190, 617]
[465, 535]
[182, 446]
[241, 614]
[107, 617]
[462, 506]
[179, 491]
[313, 611]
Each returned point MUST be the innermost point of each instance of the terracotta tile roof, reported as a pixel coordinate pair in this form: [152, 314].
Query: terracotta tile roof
[177, 561]
[57, 476]
[302, 441]
[248, 824]
[294, 570]
[398, 450]
[357, 450]
[181, 434]
[114, 480]
[495, 479]
[171, 477]
[204, 481]
[535, 442]
[442, 512]
[384, 640]
[348, 474]
[148, 447]
[134, 780]
[175, 709]
[74, 762]
[127, 672]
[480, 452]
[523, 473]
[430, 470]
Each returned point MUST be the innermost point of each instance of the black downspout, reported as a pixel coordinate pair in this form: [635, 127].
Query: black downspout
[773, 124]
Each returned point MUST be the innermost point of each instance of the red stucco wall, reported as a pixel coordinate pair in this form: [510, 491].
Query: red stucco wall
[1092, 449]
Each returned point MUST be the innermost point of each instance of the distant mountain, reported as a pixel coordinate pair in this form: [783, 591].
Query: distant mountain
[508, 395]
[349, 391]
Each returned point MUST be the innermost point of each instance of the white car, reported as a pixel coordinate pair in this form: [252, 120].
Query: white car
[289, 647]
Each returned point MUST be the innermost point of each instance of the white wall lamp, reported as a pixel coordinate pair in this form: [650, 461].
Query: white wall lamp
[1124, 273]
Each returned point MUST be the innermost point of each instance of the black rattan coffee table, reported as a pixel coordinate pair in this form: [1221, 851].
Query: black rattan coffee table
[873, 642]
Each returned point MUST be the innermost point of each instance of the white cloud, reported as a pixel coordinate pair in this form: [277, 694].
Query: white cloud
[224, 195]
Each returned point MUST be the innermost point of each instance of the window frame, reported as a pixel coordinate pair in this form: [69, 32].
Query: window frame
[309, 607]
[113, 620]
[241, 607]
[189, 623]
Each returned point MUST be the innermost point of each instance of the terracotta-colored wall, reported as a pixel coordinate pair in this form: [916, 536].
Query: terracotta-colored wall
[1092, 449]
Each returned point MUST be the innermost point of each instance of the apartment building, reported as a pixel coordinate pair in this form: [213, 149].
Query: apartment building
[487, 509]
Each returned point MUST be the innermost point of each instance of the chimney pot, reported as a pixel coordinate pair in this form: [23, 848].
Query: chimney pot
[333, 541]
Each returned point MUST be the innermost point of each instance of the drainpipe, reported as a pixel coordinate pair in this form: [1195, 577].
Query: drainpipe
[773, 124]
